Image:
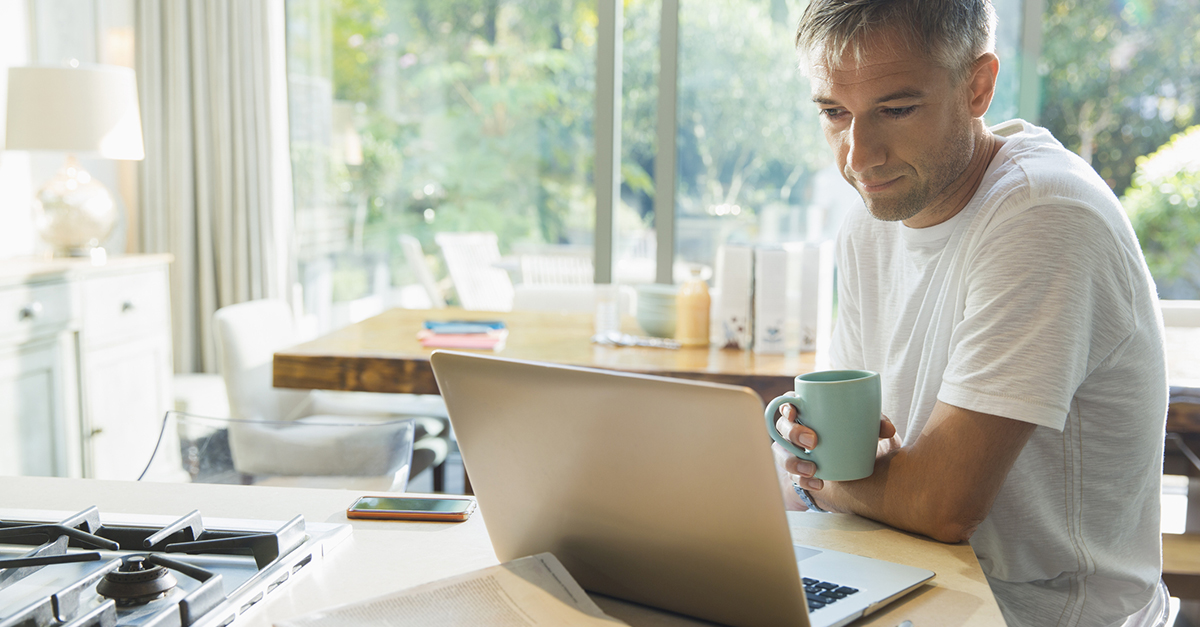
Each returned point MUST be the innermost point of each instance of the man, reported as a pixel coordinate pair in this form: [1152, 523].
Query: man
[995, 284]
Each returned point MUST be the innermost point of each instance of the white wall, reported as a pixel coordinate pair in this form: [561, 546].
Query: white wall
[16, 193]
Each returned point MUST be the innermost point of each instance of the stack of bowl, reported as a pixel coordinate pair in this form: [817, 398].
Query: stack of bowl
[656, 309]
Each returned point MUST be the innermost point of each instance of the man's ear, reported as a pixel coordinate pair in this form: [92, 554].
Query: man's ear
[981, 84]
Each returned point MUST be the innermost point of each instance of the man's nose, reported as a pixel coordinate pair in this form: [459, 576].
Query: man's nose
[866, 150]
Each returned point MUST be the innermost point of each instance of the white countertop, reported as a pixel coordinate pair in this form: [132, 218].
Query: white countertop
[25, 269]
[381, 557]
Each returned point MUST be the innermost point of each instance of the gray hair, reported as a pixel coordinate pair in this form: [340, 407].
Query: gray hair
[952, 33]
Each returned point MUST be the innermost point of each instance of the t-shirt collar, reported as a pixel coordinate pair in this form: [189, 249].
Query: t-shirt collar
[935, 236]
[931, 235]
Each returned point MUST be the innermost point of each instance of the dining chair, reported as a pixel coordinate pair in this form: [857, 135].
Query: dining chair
[414, 256]
[556, 269]
[471, 259]
[248, 334]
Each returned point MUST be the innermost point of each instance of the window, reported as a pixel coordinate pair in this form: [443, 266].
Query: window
[753, 163]
[419, 116]
[1117, 80]
[749, 141]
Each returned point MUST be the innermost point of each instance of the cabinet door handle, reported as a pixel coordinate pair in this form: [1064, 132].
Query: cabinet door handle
[31, 311]
[126, 306]
[95, 432]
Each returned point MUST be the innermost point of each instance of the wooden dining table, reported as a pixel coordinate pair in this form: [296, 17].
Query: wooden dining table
[383, 354]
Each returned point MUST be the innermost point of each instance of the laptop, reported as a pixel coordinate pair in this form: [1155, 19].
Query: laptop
[654, 490]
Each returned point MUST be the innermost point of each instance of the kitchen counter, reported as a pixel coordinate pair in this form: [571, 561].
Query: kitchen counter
[18, 270]
[381, 557]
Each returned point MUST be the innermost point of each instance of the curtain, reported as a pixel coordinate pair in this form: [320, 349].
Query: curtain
[216, 181]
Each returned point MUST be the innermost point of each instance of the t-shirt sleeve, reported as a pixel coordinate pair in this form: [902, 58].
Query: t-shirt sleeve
[1047, 300]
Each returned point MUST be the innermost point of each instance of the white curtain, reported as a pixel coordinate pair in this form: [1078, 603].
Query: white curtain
[216, 181]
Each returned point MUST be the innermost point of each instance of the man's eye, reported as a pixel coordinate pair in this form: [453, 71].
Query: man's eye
[832, 113]
[899, 112]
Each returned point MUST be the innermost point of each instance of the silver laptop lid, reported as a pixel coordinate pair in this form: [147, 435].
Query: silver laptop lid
[655, 490]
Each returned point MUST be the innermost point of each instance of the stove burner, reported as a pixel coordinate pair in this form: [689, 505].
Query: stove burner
[149, 571]
[136, 581]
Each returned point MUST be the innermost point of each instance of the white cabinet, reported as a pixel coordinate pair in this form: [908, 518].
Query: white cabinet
[39, 408]
[85, 365]
[126, 357]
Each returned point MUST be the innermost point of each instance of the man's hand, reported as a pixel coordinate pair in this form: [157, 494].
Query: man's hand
[801, 470]
[941, 485]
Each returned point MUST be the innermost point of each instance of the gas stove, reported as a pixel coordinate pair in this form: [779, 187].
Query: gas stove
[94, 569]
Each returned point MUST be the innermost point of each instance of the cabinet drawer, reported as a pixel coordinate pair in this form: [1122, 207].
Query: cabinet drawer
[34, 308]
[125, 304]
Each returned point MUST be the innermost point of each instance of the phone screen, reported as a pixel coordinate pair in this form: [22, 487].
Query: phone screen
[402, 504]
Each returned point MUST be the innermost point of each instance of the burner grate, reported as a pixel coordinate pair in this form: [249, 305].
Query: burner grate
[63, 561]
[185, 535]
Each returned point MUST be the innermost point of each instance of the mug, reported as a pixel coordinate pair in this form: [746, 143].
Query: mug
[843, 407]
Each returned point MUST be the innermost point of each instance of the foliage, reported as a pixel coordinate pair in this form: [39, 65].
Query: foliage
[478, 114]
[746, 130]
[752, 124]
[1163, 206]
[1120, 77]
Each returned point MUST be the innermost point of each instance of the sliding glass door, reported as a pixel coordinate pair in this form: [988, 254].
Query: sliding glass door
[414, 117]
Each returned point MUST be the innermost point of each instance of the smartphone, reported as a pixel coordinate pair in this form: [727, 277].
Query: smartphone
[438, 508]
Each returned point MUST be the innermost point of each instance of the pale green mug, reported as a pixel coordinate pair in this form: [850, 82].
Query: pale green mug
[843, 407]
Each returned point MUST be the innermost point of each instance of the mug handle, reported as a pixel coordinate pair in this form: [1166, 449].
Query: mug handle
[772, 407]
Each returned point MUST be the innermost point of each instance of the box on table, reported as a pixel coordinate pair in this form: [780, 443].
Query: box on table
[816, 297]
[777, 297]
[732, 324]
[793, 297]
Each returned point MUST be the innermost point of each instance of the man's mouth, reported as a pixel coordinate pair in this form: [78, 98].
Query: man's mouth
[872, 187]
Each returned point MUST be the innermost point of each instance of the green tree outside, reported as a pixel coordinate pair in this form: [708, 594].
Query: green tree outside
[477, 114]
[1120, 77]
[1164, 206]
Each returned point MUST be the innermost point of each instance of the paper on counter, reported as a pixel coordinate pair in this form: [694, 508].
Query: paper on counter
[533, 590]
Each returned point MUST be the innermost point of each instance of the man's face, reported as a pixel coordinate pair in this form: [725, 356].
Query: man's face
[900, 128]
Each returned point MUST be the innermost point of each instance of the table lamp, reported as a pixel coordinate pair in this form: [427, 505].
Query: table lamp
[90, 110]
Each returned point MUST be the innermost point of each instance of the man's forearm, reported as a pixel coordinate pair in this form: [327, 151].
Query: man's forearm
[894, 495]
[943, 485]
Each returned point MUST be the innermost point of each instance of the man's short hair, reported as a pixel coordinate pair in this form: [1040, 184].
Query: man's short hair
[951, 33]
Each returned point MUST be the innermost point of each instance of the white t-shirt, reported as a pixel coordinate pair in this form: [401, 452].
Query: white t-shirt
[1033, 303]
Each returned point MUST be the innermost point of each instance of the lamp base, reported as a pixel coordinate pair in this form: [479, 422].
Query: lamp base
[74, 212]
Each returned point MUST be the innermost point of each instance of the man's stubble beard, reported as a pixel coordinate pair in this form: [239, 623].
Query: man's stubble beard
[945, 167]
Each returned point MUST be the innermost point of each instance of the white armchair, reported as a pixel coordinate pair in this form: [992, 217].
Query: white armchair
[248, 334]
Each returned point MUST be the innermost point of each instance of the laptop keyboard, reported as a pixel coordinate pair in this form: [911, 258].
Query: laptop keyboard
[822, 593]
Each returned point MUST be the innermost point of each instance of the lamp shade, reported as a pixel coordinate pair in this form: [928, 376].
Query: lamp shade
[88, 110]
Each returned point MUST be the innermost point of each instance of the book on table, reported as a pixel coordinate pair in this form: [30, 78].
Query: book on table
[463, 334]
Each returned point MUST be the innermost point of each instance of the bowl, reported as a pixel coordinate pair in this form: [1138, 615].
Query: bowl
[657, 326]
[656, 309]
[656, 294]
